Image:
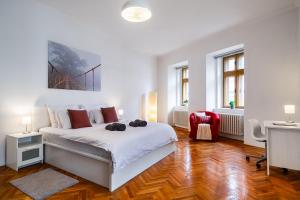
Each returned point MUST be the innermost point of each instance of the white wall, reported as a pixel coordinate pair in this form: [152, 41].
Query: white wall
[272, 74]
[26, 26]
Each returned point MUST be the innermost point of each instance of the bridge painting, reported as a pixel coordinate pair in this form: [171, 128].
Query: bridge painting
[73, 69]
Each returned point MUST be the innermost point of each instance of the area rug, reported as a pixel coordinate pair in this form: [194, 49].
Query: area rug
[44, 183]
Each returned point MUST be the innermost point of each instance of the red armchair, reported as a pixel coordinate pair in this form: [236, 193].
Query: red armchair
[214, 125]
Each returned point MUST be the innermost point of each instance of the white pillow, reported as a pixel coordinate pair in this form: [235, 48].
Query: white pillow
[94, 112]
[63, 119]
[200, 114]
[97, 116]
[52, 117]
[91, 116]
[52, 111]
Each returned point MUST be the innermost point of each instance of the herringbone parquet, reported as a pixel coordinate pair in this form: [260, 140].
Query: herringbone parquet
[197, 170]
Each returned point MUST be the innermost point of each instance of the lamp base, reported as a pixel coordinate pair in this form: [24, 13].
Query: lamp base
[26, 130]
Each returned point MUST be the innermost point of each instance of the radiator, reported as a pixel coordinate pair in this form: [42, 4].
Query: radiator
[181, 118]
[232, 124]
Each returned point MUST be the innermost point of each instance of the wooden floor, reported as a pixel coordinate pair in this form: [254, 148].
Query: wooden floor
[197, 170]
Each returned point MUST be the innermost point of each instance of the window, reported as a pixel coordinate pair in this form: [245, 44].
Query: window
[183, 86]
[233, 80]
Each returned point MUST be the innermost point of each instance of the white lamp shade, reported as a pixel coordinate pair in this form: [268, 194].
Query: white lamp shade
[26, 120]
[121, 112]
[289, 109]
[136, 11]
[152, 107]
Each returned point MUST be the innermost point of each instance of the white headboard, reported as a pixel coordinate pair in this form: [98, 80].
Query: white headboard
[40, 117]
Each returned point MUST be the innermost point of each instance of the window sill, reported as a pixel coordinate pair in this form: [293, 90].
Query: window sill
[228, 110]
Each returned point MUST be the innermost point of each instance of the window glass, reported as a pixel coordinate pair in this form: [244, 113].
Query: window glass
[185, 73]
[229, 89]
[241, 62]
[185, 94]
[229, 64]
[241, 91]
[182, 85]
[233, 76]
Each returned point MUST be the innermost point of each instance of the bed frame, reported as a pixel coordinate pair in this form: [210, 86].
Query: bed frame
[91, 167]
[99, 170]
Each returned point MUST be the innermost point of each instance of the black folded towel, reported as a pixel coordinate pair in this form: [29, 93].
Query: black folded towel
[116, 127]
[141, 123]
[133, 124]
[138, 123]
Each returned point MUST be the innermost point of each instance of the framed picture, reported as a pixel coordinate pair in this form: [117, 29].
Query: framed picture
[73, 69]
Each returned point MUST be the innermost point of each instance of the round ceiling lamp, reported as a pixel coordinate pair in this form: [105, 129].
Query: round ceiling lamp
[136, 11]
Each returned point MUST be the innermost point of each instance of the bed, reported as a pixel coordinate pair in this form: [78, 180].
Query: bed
[107, 158]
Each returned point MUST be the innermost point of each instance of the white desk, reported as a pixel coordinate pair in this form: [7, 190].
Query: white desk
[283, 146]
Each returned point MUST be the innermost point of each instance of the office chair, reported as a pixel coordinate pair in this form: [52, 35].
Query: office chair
[260, 137]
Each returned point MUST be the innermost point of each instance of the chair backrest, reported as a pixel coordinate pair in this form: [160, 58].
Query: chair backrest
[256, 129]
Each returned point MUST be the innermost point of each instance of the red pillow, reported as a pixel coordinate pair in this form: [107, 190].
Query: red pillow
[79, 119]
[109, 115]
[204, 119]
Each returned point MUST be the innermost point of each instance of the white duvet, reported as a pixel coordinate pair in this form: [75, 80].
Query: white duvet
[124, 146]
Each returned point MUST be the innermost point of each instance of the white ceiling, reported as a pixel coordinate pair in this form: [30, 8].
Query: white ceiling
[174, 23]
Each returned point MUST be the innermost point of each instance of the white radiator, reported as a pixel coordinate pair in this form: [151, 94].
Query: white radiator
[232, 124]
[181, 118]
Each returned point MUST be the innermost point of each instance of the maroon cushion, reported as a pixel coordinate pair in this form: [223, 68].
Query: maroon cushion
[204, 119]
[109, 114]
[79, 119]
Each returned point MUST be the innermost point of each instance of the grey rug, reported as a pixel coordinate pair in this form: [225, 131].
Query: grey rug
[43, 183]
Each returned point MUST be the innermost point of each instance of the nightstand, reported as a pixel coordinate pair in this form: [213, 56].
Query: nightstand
[24, 149]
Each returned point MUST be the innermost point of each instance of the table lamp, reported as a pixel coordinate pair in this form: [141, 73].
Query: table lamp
[289, 110]
[26, 120]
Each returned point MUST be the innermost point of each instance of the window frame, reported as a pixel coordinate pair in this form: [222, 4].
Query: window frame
[183, 81]
[234, 73]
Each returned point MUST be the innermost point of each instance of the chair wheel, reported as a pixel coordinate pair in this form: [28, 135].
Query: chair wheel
[258, 166]
[248, 158]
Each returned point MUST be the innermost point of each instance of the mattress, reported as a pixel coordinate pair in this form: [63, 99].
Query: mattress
[54, 136]
[121, 147]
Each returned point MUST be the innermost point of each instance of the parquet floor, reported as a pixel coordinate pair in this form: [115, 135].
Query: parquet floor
[197, 170]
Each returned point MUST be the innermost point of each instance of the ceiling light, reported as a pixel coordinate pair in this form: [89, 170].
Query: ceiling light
[136, 11]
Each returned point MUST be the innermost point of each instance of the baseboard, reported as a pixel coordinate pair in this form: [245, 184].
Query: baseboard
[180, 128]
[234, 137]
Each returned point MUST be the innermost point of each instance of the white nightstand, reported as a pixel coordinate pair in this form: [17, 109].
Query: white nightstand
[23, 149]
